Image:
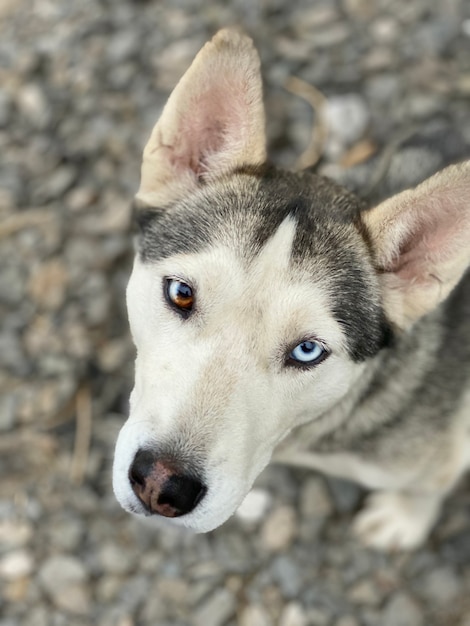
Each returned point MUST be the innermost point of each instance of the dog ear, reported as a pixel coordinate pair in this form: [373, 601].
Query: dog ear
[213, 122]
[421, 241]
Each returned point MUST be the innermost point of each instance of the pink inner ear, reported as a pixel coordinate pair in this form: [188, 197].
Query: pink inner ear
[434, 236]
[212, 126]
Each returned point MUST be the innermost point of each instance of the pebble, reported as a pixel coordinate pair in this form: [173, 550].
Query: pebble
[345, 494]
[7, 414]
[348, 117]
[216, 610]
[5, 108]
[401, 610]
[293, 614]
[254, 615]
[116, 560]
[55, 185]
[279, 529]
[288, 575]
[441, 586]
[48, 283]
[15, 533]
[67, 532]
[314, 499]
[60, 571]
[318, 617]
[364, 592]
[33, 104]
[73, 598]
[16, 564]
[346, 620]
[254, 506]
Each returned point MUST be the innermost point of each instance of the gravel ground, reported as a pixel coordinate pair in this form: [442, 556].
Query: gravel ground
[81, 83]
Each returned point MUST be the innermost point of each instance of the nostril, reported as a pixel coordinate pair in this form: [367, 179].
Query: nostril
[136, 477]
[141, 467]
[163, 485]
[181, 494]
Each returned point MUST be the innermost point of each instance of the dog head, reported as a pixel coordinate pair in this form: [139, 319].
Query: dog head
[257, 296]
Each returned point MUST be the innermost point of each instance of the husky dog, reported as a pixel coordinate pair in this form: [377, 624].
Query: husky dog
[275, 317]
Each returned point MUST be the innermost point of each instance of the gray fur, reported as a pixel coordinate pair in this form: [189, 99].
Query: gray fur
[246, 209]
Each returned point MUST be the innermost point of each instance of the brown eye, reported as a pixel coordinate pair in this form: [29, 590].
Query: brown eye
[179, 295]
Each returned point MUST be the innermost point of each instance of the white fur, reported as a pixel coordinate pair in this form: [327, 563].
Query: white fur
[219, 381]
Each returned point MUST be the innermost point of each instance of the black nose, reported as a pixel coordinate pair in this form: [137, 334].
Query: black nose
[163, 486]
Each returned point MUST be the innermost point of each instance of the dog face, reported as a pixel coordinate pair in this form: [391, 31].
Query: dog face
[257, 297]
[280, 283]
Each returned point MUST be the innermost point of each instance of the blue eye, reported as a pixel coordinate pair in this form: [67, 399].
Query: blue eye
[307, 353]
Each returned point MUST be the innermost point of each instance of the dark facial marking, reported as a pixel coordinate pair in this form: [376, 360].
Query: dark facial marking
[244, 211]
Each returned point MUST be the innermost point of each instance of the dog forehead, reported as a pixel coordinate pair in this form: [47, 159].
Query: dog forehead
[244, 210]
[267, 221]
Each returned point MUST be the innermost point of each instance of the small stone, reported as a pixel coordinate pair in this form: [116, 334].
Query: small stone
[314, 499]
[5, 108]
[254, 506]
[293, 615]
[173, 590]
[287, 575]
[63, 578]
[441, 586]
[346, 620]
[345, 494]
[360, 9]
[73, 599]
[463, 84]
[11, 350]
[16, 590]
[33, 104]
[17, 564]
[15, 533]
[55, 185]
[465, 621]
[134, 592]
[113, 355]
[48, 283]
[115, 560]
[364, 592]
[401, 610]
[155, 609]
[423, 105]
[123, 46]
[316, 17]
[66, 532]
[331, 35]
[348, 117]
[173, 60]
[254, 615]
[318, 617]
[107, 588]
[7, 414]
[60, 571]
[385, 30]
[81, 198]
[112, 216]
[216, 610]
[279, 529]
[38, 616]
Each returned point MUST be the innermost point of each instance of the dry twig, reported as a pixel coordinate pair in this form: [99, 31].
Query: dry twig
[84, 411]
[25, 219]
[317, 101]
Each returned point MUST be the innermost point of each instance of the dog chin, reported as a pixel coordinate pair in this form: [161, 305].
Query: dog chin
[201, 520]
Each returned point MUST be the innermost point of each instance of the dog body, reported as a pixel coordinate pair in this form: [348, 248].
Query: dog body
[274, 315]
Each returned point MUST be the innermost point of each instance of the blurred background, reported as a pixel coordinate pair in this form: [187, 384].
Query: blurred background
[81, 84]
